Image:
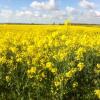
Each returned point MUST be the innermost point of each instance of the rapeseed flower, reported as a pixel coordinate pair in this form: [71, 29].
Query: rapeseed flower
[97, 93]
[80, 66]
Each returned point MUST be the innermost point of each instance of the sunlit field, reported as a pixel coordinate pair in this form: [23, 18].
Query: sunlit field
[49, 62]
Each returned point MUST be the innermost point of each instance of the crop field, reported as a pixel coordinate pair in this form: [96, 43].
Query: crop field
[49, 62]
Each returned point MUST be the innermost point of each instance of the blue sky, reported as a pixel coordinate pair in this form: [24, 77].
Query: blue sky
[49, 11]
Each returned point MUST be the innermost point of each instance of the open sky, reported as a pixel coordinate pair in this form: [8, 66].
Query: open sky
[50, 11]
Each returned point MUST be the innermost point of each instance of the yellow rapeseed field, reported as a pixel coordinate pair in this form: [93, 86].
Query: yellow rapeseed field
[49, 62]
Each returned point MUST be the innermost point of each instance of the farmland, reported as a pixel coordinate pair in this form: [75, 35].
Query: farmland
[49, 62]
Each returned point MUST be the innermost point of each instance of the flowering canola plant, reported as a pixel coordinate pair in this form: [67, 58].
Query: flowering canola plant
[46, 62]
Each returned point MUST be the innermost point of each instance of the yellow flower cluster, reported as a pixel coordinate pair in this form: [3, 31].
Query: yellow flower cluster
[97, 93]
[97, 69]
[51, 67]
[75, 84]
[31, 71]
[79, 53]
[80, 66]
[98, 66]
[70, 73]
[8, 78]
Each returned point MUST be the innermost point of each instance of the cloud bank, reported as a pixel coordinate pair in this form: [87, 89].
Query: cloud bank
[49, 11]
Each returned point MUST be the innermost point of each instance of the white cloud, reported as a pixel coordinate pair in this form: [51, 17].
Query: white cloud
[71, 11]
[50, 5]
[94, 13]
[23, 13]
[6, 13]
[87, 4]
[57, 14]
[28, 14]
[88, 16]
[97, 13]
